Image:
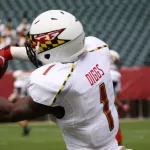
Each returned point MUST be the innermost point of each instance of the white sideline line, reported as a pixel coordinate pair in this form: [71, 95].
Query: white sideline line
[133, 120]
[126, 120]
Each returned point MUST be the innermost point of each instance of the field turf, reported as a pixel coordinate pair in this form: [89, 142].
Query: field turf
[45, 136]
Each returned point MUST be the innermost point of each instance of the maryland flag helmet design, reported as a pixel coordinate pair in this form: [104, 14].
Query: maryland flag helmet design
[47, 41]
[55, 36]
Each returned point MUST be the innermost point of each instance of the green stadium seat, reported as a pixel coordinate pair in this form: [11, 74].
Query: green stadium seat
[123, 25]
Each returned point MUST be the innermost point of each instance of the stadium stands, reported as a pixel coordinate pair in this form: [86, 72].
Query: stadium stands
[123, 25]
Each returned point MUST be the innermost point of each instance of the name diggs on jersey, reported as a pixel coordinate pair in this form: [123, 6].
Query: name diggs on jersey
[94, 74]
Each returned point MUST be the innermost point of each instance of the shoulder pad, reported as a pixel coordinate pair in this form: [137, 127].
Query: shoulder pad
[46, 82]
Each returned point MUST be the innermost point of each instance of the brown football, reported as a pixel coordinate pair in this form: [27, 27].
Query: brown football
[3, 70]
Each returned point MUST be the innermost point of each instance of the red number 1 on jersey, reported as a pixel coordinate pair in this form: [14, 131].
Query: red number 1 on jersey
[106, 109]
[48, 69]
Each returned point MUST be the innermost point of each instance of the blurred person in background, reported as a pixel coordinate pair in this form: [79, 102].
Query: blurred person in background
[2, 35]
[2, 26]
[22, 30]
[21, 80]
[24, 26]
[3, 42]
[116, 78]
[9, 32]
[21, 38]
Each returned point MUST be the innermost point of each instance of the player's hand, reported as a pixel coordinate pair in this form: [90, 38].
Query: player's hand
[125, 107]
[5, 55]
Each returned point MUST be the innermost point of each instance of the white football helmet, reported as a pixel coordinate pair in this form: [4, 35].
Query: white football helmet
[20, 74]
[17, 74]
[115, 57]
[55, 36]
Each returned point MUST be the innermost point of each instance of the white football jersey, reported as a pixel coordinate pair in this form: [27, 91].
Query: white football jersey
[85, 90]
[21, 86]
[116, 78]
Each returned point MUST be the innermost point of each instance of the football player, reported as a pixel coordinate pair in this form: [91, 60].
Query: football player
[21, 80]
[72, 82]
[116, 78]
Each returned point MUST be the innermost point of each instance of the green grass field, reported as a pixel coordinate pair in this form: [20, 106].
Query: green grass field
[136, 134]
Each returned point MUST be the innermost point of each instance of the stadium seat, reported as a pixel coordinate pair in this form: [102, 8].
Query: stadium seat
[124, 25]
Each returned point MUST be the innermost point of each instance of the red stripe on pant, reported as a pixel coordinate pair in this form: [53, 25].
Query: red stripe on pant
[119, 136]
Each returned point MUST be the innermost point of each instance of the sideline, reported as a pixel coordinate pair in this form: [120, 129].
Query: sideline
[45, 123]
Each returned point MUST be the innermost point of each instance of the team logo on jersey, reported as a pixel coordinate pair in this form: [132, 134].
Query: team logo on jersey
[47, 41]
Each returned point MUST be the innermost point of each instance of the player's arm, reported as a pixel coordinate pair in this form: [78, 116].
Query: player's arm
[118, 103]
[26, 109]
[12, 52]
[16, 94]
[117, 93]
[13, 96]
